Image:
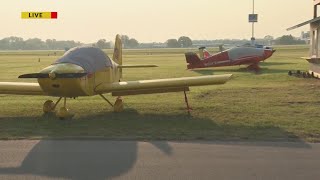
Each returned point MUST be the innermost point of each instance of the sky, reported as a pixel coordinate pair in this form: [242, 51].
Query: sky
[153, 20]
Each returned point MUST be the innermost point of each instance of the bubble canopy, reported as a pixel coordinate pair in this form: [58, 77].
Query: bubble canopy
[91, 59]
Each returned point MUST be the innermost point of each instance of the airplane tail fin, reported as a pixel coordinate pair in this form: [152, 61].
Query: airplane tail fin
[117, 53]
[204, 53]
[193, 60]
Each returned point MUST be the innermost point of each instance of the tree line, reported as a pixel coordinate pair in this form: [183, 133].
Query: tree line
[288, 40]
[18, 43]
[128, 43]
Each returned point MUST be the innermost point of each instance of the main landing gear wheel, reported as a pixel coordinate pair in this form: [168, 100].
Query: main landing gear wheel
[118, 105]
[254, 67]
[64, 113]
[48, 106]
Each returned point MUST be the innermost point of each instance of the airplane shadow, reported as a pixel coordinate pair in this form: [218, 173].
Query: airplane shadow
[263, 70]
[214, 71]
[275, 63]
[108, 159]
[69, 159]
[81, 159]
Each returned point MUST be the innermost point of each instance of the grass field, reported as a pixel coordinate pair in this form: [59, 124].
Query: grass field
[270, 106]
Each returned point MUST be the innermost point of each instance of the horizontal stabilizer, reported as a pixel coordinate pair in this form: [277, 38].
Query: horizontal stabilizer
[304, 23]
[193, 60]
[137, 66]
[192, 57]
[55, 75]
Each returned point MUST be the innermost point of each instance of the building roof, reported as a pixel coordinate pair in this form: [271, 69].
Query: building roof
[304, 23]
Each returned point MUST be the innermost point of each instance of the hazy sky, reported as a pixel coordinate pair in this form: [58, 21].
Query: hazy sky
[152, 20]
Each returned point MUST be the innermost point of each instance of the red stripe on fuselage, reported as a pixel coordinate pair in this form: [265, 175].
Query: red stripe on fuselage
[222, 59]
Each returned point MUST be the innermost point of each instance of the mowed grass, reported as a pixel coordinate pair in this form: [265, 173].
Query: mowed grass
[270, 106]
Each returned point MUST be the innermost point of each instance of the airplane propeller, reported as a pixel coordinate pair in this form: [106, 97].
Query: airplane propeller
[53, 75]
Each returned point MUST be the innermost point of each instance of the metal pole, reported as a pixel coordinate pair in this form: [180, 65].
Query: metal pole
[253, 22]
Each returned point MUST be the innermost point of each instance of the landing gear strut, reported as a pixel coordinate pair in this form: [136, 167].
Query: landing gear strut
[49, 106]
[189, 109]
[118, 105]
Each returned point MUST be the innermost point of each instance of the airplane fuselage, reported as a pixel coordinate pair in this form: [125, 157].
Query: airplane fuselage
[74, 87]
[234, 56]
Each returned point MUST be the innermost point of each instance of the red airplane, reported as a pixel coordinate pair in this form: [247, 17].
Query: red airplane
[248, 55]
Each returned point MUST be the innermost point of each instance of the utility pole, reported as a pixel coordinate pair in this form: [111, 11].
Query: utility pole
[253, 18]
[252, 39]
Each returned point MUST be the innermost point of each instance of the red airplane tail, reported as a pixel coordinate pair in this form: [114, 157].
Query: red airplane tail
[193, 61]
[206, 54]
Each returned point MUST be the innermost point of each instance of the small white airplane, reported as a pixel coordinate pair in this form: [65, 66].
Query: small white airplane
[246, 54]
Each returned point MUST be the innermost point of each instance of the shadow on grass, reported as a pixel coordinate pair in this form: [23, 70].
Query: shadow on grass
[212, 71]
[274, 71]
[240, 70]
[275, 63]
[97, 159]
[132, 125]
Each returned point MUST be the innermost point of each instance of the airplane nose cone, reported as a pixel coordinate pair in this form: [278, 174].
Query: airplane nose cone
[52, 75]
[268, 53]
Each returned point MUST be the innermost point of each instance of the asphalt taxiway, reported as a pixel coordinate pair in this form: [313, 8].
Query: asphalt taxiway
[98, 159]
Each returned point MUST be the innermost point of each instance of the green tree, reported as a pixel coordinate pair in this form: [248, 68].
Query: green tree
[17, 43]
[133, 43]
[288, 40]
[172, 43]
[34, 44]
[125, 40]
[103, 44]
[185, 41]
[51, 44]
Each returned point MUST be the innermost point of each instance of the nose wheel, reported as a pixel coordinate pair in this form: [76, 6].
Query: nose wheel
[50, 107]
[64, 112]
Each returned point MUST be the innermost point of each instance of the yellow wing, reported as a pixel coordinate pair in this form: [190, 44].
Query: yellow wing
[160, 85]
[20, 88]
